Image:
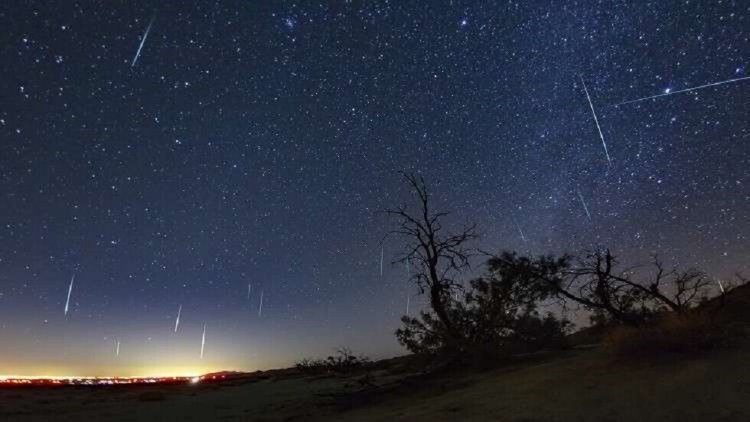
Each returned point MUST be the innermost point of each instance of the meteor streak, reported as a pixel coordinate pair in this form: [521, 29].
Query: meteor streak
[143, 41]
[117, 348]
[177, 320]
[596, 120]
[721, 286]
[260, 305]
[523, 237]
[585, 208]
[203, 340]
[679, 91]
[249, 290]
[70, 290]
[382, 252]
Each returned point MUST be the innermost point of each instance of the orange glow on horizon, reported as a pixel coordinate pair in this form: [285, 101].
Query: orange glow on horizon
[140, 373]
[57, 381]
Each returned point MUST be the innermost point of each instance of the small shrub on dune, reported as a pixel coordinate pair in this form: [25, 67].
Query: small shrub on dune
[311, 366]
[690, 333]
[344, 361]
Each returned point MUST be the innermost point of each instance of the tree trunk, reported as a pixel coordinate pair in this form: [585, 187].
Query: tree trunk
[437, 301]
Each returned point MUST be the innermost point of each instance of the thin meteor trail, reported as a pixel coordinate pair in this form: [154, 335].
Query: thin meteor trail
[260, 305]
[117, 348]
[596, 120]
[203, 340]
[177, 320]
[583, 202]
[382, 252]
[143, 41]
[523, 237]
[721, 286]
[70, 290]
[249, 290]
[679, 91]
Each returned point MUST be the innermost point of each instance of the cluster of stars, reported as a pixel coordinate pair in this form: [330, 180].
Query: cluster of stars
[170, 155]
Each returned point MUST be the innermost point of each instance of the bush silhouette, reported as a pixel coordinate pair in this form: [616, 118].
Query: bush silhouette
[498, 316]
[344, 361]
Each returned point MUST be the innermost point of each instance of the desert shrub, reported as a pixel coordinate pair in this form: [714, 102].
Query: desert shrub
[548, 332]
[497, 317]
[309, 365]
[344, 361]
[687, 333]
[596, 281]
[423, 335]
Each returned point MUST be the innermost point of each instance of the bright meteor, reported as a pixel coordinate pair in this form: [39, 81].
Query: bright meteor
[728, 81]
[143, 41]
[596, 120]
[203, 340]
[70, 290]
[177, 320]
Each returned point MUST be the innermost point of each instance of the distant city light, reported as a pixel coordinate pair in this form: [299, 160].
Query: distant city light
[95, 381]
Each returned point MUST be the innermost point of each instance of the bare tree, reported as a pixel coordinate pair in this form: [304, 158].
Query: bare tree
[436, 256]
[626, 295]
[675, 290]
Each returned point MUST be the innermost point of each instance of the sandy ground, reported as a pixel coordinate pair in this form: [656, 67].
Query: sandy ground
[261, 400]
[583, 385]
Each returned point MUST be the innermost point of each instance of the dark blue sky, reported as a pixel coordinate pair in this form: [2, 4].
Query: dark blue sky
[255, 143]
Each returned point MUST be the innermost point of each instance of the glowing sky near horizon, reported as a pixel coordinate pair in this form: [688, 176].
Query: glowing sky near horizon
[255, 143]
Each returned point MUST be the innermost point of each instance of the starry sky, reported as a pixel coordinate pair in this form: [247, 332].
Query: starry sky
[253, 142]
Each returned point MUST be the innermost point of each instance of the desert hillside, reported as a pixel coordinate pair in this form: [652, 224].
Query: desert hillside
[585, 383]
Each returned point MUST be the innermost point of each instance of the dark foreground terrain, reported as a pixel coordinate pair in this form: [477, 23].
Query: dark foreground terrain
[583, 384]
[576, 385]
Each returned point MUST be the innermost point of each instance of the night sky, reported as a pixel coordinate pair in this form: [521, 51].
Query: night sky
[256, 142]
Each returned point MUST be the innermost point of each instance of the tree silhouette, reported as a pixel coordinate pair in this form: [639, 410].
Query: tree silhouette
[595, 282]
[436, 256]
[498, 316]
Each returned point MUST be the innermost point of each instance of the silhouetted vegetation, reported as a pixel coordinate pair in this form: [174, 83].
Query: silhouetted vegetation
[497, 315]
[344, 361]
[631, 296]
[436, 257]
[648, 307]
